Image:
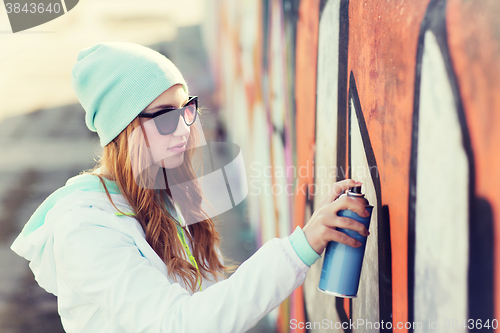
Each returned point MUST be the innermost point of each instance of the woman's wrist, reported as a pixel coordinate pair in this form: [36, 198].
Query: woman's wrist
[302, 247]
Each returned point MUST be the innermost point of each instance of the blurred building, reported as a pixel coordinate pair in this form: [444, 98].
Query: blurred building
[35, 64]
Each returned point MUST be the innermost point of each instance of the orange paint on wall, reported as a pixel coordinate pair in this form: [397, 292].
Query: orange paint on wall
[474, 42]
[347, 308]
[383, 39]
[305, 97]
[305, 101]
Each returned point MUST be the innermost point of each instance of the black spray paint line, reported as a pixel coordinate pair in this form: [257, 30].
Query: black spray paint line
[480, 271]
[383, 226]
[342, 123]
[342, 86]
[322, 6]
[339, 305]
[266, 24]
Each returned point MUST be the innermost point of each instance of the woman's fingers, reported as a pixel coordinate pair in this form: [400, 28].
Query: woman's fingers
[337, 189]
[320, 229]
[340, 187]
[349, 203]
[348, 223]
[340, 237]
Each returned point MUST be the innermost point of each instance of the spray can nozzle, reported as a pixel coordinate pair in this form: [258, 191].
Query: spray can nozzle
[355, 189]
[355, 192]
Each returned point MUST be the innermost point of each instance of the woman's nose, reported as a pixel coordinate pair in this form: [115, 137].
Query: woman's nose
[182, 128]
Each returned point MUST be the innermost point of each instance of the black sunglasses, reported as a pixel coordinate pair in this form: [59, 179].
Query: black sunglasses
[166, 120]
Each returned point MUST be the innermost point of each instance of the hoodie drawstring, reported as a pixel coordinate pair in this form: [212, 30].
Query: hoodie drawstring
[181, 235]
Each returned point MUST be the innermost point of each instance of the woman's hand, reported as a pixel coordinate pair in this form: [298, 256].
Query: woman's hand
[320, 229]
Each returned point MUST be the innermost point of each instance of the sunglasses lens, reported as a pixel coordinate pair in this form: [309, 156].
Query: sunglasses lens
[190, 112]
[167, 122]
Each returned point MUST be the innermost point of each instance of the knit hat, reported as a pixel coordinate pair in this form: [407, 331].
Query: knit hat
[115, 81]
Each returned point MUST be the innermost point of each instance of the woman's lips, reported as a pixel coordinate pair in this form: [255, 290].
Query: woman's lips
[179, 148]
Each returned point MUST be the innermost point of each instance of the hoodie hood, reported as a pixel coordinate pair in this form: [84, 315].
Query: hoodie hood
[36, 239]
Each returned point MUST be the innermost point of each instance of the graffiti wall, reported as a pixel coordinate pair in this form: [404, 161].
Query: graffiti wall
[401, 95]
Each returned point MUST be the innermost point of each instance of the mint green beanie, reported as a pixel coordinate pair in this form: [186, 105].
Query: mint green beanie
[115, 81]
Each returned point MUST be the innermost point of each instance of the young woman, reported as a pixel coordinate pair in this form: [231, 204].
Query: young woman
[115, 244]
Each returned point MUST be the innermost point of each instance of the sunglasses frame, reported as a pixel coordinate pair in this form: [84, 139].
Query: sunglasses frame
[180, 111]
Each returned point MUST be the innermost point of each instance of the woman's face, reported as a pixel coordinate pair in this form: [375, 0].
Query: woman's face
[167, 150]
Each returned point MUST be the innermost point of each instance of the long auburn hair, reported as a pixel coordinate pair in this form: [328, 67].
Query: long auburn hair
[158, 224]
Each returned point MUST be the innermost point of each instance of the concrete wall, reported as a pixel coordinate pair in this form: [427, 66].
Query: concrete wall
[401, 95]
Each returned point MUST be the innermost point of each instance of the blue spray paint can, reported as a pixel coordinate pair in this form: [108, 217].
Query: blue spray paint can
[342, 263]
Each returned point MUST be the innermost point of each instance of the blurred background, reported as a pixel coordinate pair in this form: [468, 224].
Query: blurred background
[401, 95]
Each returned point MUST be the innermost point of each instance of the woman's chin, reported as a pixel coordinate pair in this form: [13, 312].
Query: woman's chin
[173, 161]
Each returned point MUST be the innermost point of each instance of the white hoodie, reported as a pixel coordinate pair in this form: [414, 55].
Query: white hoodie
[108, 279]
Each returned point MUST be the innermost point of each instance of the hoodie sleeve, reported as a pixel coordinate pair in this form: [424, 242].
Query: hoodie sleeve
[102, 263]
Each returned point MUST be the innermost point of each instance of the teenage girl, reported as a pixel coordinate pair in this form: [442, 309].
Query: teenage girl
[115, 248]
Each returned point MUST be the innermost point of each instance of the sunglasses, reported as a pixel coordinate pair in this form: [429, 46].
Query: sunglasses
[166, 120]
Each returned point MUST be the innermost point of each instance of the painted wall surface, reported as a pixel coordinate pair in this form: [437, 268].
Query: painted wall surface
[401, 95]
